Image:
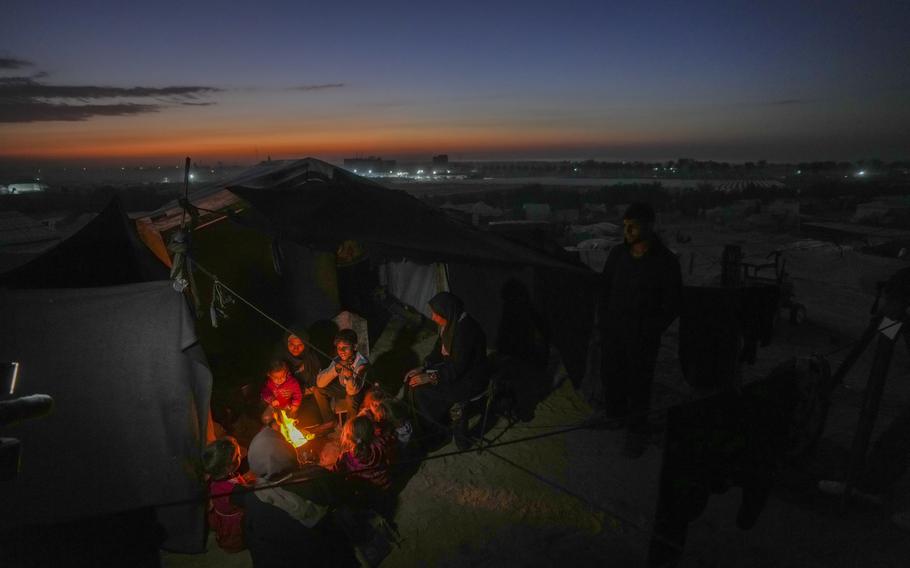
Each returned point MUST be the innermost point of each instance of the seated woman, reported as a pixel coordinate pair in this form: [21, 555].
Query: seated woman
[455, 370]
[289, 524]
[302, 361]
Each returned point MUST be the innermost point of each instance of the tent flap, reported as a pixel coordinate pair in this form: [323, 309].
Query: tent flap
[128, 424]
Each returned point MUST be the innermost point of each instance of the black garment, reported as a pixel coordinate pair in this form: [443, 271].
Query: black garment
[640, 295]
[523, 352]
[627, 374]
[760, 306]
[523, 333]
[450, 307]
[720, 327]
[890, 456]
[713, 444]
[462, 373]
[710, 335]
[276, 540]
[640, 298]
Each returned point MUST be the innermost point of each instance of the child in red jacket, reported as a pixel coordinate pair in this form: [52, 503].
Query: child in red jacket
[281, 390]
[221, 459]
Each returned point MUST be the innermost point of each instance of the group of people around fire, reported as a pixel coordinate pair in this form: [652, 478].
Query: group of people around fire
[350, 493]
[641, 291]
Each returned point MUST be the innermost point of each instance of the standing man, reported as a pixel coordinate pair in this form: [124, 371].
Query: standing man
[642, 287]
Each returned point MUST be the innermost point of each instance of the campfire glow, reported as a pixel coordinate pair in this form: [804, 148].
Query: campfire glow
[290, 431]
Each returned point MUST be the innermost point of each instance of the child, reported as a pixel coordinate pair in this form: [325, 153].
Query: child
[395, 413]
[221, 459]
[349, 367]
[363, 456]
[281, 390]
[371, 401]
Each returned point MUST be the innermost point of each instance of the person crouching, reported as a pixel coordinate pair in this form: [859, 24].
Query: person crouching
[287, 520]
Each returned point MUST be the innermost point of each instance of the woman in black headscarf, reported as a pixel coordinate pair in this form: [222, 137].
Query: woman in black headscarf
[302, 361]
[456, 369]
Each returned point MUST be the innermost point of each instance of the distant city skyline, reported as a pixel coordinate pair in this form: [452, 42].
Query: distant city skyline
[109, 82]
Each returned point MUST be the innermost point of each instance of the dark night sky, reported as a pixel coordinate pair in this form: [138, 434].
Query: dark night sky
[224, 80]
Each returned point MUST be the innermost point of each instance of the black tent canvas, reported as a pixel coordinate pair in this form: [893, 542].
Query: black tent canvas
[118, 353]
[317, 207]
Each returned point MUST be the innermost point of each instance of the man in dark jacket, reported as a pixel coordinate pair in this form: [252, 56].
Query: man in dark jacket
[640, 298]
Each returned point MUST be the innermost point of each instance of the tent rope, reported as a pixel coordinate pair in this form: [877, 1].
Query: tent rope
[221, 286]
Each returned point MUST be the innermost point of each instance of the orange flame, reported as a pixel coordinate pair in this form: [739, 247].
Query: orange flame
[290, 431]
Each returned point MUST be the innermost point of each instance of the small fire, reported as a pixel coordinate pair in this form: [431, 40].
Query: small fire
[290, 431]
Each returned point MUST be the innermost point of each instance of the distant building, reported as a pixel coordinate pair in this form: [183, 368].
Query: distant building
[440, 159]
[372, 165]
[17, 188]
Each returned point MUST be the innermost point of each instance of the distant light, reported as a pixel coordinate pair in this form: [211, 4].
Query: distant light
[798, 172]
[434, 172]
[192, 176]
[576, 169]
[369, 171]
[166, 180]
[419, 172]
[861, 173]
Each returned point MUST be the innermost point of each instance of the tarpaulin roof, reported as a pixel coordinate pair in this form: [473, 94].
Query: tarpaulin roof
[315, 203]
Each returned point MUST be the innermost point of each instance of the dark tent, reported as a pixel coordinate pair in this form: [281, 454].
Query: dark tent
[93, 324]
[311, 207]
[106, 252]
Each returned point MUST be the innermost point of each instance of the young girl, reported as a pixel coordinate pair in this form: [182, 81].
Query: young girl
[221, 459]
[364, 456]
[371, 400]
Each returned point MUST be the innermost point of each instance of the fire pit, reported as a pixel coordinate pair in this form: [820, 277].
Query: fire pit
[291, 433]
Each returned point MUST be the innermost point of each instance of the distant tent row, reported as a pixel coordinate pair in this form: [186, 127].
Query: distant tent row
[96, 324]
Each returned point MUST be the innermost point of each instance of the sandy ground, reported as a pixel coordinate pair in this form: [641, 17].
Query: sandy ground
[574, 499]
